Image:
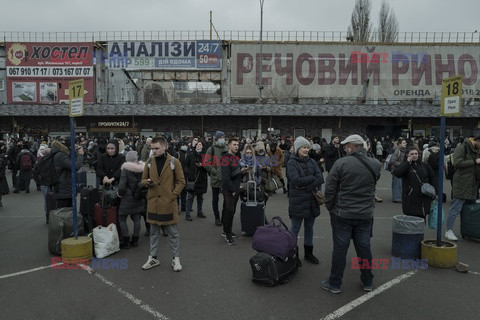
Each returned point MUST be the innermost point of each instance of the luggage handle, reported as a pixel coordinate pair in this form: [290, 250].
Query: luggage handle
[249, 186]
[281, 223]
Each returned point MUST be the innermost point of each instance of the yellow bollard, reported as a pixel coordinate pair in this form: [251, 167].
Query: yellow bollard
[77, 249]
[439, 257]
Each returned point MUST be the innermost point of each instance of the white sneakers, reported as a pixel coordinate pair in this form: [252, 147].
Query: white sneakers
[151, 262]
[176, 266]
[450, 235]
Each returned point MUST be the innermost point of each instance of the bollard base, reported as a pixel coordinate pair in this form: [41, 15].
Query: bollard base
[444, 256]
[77, 249]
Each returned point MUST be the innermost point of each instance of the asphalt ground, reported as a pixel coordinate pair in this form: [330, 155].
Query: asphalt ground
[215, 282]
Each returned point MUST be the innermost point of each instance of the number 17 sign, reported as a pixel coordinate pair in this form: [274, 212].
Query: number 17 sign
[75, 95]
[451, 96]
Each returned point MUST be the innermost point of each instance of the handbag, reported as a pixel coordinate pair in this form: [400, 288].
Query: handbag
[319, 197]
[190, 186]
[426, 188]
[275, 239]
[273, 183]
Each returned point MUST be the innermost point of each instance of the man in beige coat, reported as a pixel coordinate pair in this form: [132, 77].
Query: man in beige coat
[164, 186]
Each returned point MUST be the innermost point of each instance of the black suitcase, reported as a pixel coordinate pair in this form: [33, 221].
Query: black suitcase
[269, 271]
[89, 196]
[51, 204]
[252, 213]
[81, 180]
[470, 221]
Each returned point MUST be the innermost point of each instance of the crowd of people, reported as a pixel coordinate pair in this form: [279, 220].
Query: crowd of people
[173, 172]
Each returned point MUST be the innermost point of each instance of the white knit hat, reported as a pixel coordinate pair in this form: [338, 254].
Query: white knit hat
[300, 142]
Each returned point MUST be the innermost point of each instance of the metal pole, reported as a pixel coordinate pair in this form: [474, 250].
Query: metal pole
[74, 177]
[260, 75]
[440, 181]
[211, 24]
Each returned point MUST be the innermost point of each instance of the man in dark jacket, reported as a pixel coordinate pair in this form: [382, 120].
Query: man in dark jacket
[24, 163]
[465, 182]
[62, 192]
[231, 176]
[333, 152]
[12, 159]
[350, 199]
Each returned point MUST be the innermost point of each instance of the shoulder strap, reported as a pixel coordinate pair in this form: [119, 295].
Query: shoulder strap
[359, 158]
[418, 178]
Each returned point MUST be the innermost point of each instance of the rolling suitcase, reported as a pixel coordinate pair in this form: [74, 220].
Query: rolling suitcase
[61, 227]
[51, 204]
[252, 213]
[81, 180]
[89, 196]
[470, 221]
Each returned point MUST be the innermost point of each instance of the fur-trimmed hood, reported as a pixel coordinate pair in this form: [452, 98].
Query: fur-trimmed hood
[60, 147]
[134, 166]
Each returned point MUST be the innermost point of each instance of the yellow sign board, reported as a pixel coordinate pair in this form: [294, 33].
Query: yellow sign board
[451, 96]
[75, 96]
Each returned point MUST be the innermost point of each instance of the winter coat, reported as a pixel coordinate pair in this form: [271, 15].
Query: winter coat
[467, 173]
[414, 203]
[145, 153]
[231, 173]
[212, 163]
[162, 207]
[379, 149]
[110, 166]
[350, 187]
[182, 156]
[398, 156]
[62, 163]
[332, 154]
[130, 177]
[276, 161]
[304, 177]
[25, 174]
[4, 189]
[196, 173]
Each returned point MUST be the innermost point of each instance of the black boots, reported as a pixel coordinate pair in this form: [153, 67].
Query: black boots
[125, 244]
[134, 242]
[297, 257]
[309, 254]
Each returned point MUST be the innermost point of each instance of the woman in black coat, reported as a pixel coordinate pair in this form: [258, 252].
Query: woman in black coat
[304, 177]
[131, 175]
[414, 203]
[109, 164]
[195, 172]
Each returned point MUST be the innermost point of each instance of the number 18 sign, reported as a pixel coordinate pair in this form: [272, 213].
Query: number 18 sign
[451, 96]
[75, 95]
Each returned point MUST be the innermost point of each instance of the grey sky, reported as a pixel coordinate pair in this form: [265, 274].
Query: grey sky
[146, 15]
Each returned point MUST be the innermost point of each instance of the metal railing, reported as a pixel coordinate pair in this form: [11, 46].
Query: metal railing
[230, 35]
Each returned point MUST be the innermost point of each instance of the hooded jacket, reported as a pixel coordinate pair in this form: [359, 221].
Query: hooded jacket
[110, 166]
[212, 163]
[196, 173]
[467, 173]
[131, 175]
[62, 163]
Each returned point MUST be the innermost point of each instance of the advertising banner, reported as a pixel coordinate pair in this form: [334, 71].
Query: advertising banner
[395, 72]
[164, 55]
[39, 72]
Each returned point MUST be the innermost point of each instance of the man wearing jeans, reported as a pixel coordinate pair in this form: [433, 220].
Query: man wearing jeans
[465, 180]
[350, 199]
[163, 175]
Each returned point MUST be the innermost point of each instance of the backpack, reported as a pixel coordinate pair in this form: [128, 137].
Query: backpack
[26, 162]
[388, 163]
[44, 172]
[433, 160]
[450, 171]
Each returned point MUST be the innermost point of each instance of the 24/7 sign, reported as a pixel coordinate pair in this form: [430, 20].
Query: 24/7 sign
[451, 96]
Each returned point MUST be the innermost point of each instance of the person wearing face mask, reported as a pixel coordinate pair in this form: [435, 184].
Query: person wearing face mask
[276, 160]
[263, 161]
[109, 165]
[304, 177]
[195, 171]
[413, 173]
[211, 163]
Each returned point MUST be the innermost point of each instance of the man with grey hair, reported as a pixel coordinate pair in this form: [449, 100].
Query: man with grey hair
[350, 199]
